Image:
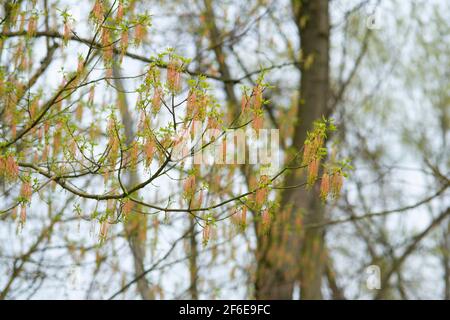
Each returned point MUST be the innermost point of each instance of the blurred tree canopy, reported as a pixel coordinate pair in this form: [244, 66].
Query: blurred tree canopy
[95, 97]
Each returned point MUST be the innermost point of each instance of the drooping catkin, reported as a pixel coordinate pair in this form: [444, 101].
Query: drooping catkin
[134, 153]
[244, 103]
[104, 227]
[149, 150]
[189, 186]
[23, 214]
[257, 123]
[244, 216]
[265, 220]
[262, 192]
[120, 11]
[97, 11]
[337, 180]
[127, 207]
[139, 33]
[206, 234]
[79, 111]
[325, 186]
[26, 190]
[156, 100]
[257, 97]
[66, 32]
[191, 104]
[113, 142]
[124, 41]
[9, 168]
[173, 76]
[32, 22]
[313, 171]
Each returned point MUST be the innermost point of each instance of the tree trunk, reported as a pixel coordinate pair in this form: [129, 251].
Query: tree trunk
[136, 227]
[290, 253]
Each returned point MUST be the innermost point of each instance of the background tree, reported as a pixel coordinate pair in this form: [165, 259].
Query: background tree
[91, 99]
